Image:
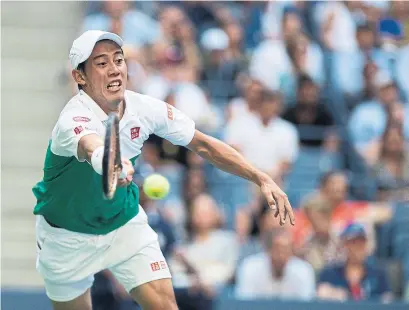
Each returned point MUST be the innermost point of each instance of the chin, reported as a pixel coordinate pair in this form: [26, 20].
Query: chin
[116, 99]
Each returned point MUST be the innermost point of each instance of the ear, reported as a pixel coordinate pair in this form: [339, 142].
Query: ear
[79, 77]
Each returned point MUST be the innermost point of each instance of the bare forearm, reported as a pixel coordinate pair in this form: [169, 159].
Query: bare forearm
[228, 159]
[87, 145]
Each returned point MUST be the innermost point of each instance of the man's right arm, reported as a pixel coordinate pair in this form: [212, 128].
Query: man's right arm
[77, 135]
[87, 145]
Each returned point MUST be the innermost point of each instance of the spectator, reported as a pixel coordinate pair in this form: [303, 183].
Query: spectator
[368, 120]
[402, 75]
[275, 273]
[336, 25]
[175, 57]
[400, 11]
[391, 169]
[220, 70]
[249, 103]
[117, 17]
[279, 18]
[203, 264]
[348, 67]
[322, 247]
[235, 51]
[258, 137]
[354, 279]
[309, 110]
[277, 64]
[369, 88]
[333, 191]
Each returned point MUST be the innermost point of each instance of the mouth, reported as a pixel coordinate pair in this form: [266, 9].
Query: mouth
[114, 86]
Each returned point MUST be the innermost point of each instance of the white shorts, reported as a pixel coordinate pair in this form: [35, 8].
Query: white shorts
[68, 260]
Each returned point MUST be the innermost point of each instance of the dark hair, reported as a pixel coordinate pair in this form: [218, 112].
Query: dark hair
[81, 67]
[305, 79]
[327, 176]
[364, 27]
[391, 126]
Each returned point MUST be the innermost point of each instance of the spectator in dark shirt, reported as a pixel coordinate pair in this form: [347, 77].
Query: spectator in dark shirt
[309, 111]
[354, 279]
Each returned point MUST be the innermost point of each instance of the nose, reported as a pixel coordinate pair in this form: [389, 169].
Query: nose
[113, 70]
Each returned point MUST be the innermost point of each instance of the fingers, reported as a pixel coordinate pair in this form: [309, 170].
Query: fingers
[270, 200]
[289, 210]
[281, 208]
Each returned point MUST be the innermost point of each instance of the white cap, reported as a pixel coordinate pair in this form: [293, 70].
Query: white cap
[214, 39]
[82, 47]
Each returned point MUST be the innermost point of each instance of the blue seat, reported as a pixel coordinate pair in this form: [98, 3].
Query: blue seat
[307, 170]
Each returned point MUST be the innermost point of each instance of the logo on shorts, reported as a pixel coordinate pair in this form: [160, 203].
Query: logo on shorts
[135, 132]
[81, 119]
[170, 112]
[78, 130]
[155, 266]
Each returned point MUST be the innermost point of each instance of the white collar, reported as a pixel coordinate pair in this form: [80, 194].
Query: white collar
[94, 107]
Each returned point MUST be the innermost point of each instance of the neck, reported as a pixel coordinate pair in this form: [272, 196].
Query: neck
[111, 108]
[202, 235]
[266, 120]
[353, 265]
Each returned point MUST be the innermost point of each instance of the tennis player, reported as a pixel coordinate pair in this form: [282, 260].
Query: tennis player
[79, 233]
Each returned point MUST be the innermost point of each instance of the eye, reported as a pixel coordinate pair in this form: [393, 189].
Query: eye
[101, 64]
[119, 61]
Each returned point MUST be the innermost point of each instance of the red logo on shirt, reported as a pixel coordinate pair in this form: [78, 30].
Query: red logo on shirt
[170, 112]
[135, 132]
[155, 266]
[78, 130]
[81, 119]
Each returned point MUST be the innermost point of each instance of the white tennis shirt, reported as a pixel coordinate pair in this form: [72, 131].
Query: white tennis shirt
[143, 116]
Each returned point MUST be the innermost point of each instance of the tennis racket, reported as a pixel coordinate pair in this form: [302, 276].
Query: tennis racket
[111, 162]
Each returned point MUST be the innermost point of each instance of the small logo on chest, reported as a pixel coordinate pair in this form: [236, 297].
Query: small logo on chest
[135, 132]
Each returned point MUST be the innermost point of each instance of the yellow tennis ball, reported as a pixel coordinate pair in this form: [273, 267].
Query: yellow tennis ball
[156, 186]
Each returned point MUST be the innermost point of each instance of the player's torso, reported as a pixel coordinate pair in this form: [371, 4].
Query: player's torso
[134, 127]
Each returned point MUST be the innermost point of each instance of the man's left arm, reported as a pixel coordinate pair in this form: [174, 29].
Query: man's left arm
[228, 159]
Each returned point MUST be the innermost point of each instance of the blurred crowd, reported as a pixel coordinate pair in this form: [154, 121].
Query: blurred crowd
[315, 93]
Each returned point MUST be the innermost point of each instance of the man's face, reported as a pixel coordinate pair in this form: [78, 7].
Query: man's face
[281, 251]
[291, 24]
[308, 94]
[254, 93]
[270, 108]
[366, 39]
[106, 74]
[336, 189]
[356, 249]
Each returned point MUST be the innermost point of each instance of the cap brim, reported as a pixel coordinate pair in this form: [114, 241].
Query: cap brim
[105, 36]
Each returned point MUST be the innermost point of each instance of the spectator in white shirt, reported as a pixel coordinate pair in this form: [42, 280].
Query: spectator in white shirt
[278, 63]
[208, 260]
[266, 140]
[249, 103]
[336, 25]
[275, 273]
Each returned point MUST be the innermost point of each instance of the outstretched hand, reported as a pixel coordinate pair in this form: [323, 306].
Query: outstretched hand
[277, 200]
